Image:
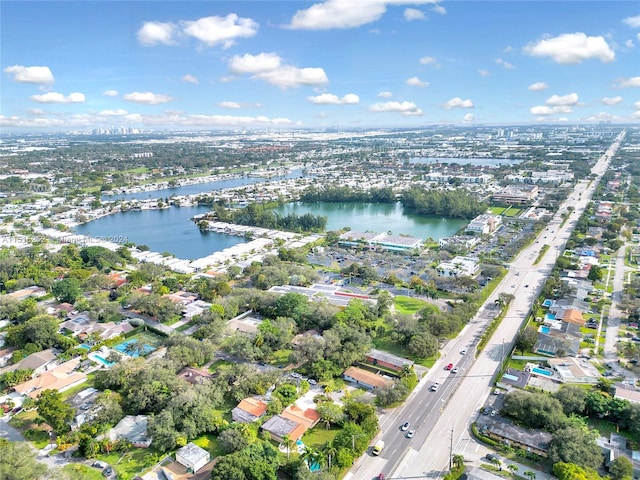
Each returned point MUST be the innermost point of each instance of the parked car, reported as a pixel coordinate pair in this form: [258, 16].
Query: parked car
[449, 367]
[99, 464]
[486, 410]
[492, 457]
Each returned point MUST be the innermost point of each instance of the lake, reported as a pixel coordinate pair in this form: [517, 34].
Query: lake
[377, 217]
[166, 230]
[171, 229]
[199, 188]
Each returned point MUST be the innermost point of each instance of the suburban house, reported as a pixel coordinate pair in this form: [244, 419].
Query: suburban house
[182, 297]
[573, 315]
[195, 375]
[533, 441]
[5, 355]
[574, 370]
[39, 362]
[132, 428]
[627, 392]
[195, 308]
[365, 378]
[387, 360]
[60, 378]
[309, 417]
[192, 457]
[279, 427]
[249, 410]
[616, 446]
[33, 291]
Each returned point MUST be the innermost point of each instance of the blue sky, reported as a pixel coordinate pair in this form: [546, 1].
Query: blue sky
[295, 64]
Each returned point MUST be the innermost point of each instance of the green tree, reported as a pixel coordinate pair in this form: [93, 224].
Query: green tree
[54, 411]
[18, 462]
[67, 290]
[621, 469]
[571, 471]
[232, 440]
[526, 339]
[595, 273]
[572, 398]
[575, 444]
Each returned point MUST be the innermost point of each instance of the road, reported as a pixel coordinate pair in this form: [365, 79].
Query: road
[442, 418]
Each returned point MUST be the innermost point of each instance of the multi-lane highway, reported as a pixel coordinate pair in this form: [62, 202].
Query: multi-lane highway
[441, 419]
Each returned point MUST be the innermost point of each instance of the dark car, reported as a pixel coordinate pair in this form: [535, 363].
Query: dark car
[108, 472]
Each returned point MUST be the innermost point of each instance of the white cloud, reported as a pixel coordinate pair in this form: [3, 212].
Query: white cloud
[331, 99]
[457, 102]
[416, 82]
[628, 82]
[404, 108]
[230, 104]
[236, 105]
[556, 100]
[538, 86]
[385, 95]
[633, 22]
[637, 105]
[30, 74]
[429, 61]
[414, 14]
[572, 48]
[345, 13]
[629, 43]
[269, 67]
[484, 73]
[255, 64]
[220, 30]
[147, 98]
[114, 113]
[110, 93]
[439, 9]
[611, 100]
[154, 33]
[55, 97]
[505, 64]
[188, 78]
[543, 110]
[468, 118]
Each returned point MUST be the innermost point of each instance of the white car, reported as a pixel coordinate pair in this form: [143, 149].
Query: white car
[455, 370]
[463, 351]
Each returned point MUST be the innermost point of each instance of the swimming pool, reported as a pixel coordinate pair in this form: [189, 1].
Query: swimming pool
[513, 378]
[85, 346]
[102, 360]
[122, 348]
[550, 316]
[544, 329]
[540, 371]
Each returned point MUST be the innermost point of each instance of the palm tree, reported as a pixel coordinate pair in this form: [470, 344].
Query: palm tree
[327, 391]
[135, 348]
[458, 461]
[312, 456]
[513, 468]
[330, 451]
[288, 444]
[530, 474]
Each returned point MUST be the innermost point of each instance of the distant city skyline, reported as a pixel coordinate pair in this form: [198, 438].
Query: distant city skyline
[169, 65]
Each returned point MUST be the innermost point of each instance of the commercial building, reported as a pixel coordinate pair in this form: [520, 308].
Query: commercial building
[459, 266]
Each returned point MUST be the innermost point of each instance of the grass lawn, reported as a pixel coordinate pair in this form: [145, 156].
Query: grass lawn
[215, 366]
[186, 326]
[38, 437]
[209, 442]
[606, 428]
[79, 471]
[409, 305]
[281, 358]
[133, 462]
[23, 420]
[497, 210]
[318, 436]
[385, 343]
[67, 394]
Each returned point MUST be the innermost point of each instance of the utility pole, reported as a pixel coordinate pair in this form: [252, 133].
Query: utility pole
[451, 451]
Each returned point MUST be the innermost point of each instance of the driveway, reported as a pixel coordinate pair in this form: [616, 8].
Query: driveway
[7, 432]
